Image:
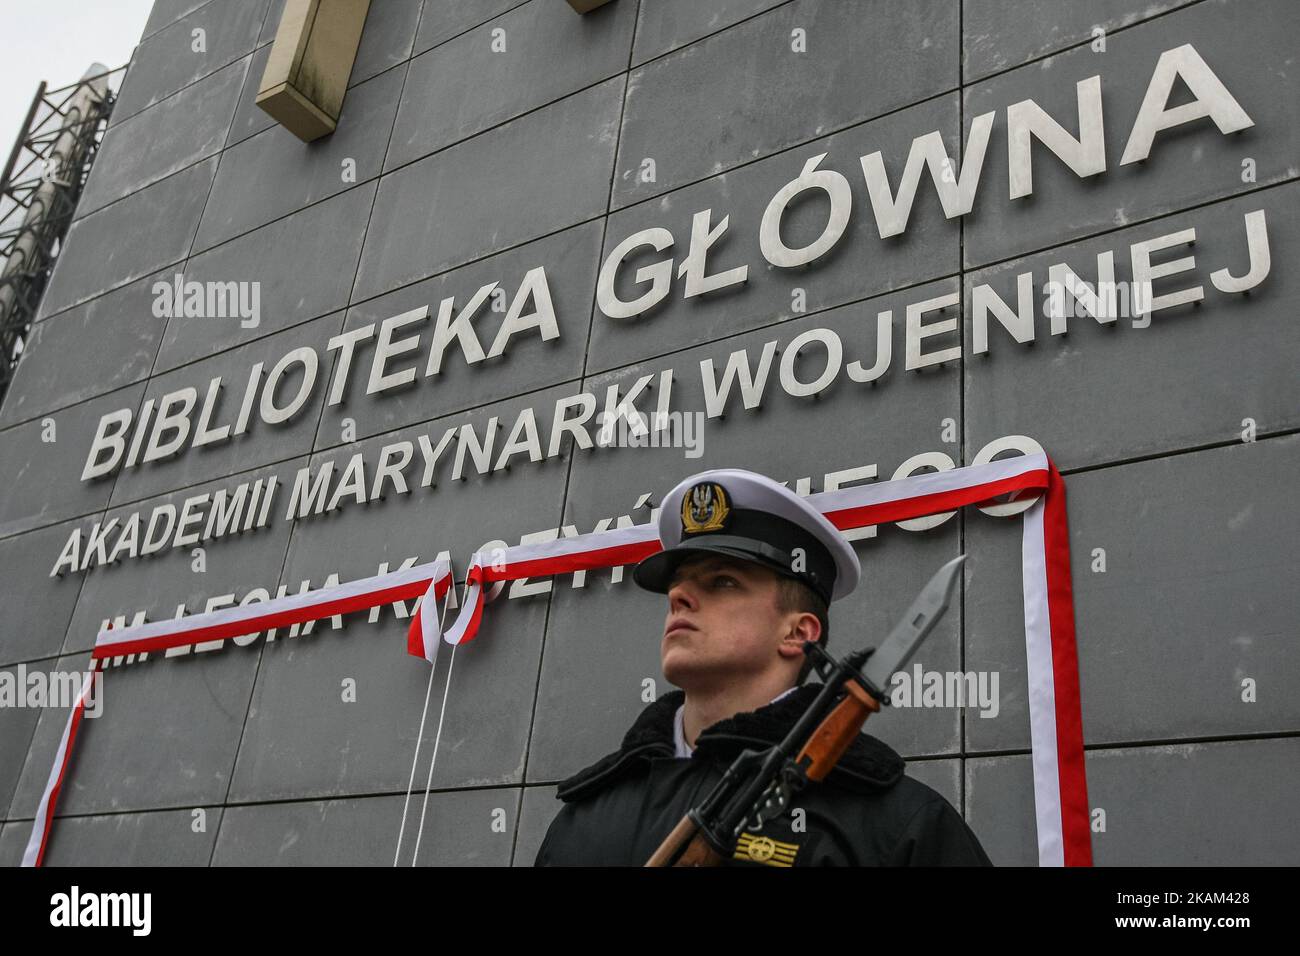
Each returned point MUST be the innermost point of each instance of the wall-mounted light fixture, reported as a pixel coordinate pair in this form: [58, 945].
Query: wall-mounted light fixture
[307, 72]
[306, 75]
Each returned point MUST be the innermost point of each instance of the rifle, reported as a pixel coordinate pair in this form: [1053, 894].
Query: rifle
[759, 784]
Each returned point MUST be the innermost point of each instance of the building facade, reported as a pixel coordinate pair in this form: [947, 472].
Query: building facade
[828, 240]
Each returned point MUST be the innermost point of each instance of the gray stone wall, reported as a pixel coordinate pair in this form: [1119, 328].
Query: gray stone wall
[474, 165]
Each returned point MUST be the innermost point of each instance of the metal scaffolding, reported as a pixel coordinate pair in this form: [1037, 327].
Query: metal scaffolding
[39, 189]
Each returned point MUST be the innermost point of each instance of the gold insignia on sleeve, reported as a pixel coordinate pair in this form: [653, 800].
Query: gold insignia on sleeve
[704, 508]
[761, 849]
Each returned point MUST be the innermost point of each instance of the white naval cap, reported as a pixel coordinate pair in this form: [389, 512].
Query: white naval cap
[747, 515]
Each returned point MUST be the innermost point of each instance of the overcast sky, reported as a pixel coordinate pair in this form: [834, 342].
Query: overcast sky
[55, 41]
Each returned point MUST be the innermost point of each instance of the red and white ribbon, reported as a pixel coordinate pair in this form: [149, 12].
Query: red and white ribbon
[1055, 716]
[1056, 733]
[422, 635]
[34, 854]
[585, 552]
[284, 611]
[433, 578]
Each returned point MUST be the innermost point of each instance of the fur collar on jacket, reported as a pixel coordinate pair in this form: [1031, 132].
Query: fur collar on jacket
[868, 765]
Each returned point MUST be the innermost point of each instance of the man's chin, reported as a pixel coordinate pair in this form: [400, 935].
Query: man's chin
[678, 670]
[682, 671]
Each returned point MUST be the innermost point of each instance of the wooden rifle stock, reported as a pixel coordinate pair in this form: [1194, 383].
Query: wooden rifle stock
[698, 852]
[822, 751]
[837, 731]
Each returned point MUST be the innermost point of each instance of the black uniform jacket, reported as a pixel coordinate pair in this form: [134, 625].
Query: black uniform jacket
[865, 813]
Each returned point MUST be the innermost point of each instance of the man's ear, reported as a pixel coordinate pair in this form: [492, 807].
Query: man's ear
[803, 627]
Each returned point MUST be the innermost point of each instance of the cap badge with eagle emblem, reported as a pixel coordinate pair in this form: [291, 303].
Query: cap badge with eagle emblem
[704, 508]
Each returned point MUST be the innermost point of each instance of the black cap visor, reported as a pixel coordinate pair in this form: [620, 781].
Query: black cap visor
[655, 573]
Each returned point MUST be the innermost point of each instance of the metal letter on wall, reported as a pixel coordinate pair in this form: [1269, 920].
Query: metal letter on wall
[586, 6]
[307, 73]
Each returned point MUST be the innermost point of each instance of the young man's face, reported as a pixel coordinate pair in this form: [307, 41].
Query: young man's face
[724, 625]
